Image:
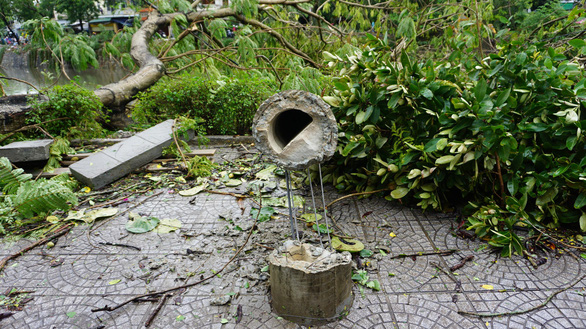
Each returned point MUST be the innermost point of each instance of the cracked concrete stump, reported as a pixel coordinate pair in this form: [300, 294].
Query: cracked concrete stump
[295, 129]
[310, 285]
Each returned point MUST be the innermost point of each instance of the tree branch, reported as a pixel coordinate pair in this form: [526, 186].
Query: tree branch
[282, 2]
[22, 81]
[547, 300]
[546, 24]
[320, 18]
[279, 37]
[369, 6]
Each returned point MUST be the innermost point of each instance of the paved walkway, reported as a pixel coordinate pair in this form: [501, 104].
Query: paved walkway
[414, 293]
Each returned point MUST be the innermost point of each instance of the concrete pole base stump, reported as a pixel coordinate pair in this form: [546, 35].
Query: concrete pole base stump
[310, 285]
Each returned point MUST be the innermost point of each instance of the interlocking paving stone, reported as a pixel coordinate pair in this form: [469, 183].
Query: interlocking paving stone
[418, 295]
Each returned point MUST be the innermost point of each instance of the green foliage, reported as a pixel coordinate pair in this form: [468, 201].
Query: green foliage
[235, 103]
[187, 96]
[226, 106]
[25, 198]
[138, 224]
[77, 51]
[170, 6]
[42, 196]
[406, 28]
[60, 146]
[510, 14]
[439, 133]
[10, 179]
[77, 10]
[363, 279]
[182, 129]
[550, 10]
[200, 167]
[2, 52]
[43, 31]
[264, 215]
[248, 8]
[305, 78]
[218, 28]
[22, 10]
[246, 47]
[74, 112]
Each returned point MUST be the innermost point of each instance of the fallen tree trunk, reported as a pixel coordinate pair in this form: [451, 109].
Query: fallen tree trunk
[116, 95]
[151, 69]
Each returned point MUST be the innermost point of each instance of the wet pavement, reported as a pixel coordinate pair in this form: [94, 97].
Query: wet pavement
[83, 272]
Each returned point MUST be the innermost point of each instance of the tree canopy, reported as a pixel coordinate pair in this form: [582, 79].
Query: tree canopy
[78, 10]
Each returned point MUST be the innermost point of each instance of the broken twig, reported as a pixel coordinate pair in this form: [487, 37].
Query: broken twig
[355, 194]
[263, 246]
[236, 195]
[63, 230]
[461, 263]
[545, 302]
[156, 310]
[238, 314]
[428, 253]
[119, 245]
[450, 275]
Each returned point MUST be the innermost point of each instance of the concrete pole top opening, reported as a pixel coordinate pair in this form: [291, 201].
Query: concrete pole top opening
[295, 129]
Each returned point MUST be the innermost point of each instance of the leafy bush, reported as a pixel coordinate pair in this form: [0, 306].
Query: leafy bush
[71, 112]
[227, 107]
[504, 134]
[170, 98]
[235, 104]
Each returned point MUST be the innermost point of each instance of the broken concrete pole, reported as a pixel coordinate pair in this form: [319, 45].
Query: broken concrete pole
[295, 129]
[310, 285]
[121, 159]
[27, 151]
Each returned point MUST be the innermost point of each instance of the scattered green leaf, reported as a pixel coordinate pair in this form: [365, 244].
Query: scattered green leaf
[365, 253]
[139, 224]
[265, 213]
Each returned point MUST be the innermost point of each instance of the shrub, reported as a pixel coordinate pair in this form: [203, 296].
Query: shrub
[170, 98]
[227, 107]
[504, 134]
[235, 104]
[71, 112]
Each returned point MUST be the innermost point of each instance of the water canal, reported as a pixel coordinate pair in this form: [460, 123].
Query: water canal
[44, 75]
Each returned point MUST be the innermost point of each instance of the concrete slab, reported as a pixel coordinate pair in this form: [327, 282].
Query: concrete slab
[27, 151]
[121, 159]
